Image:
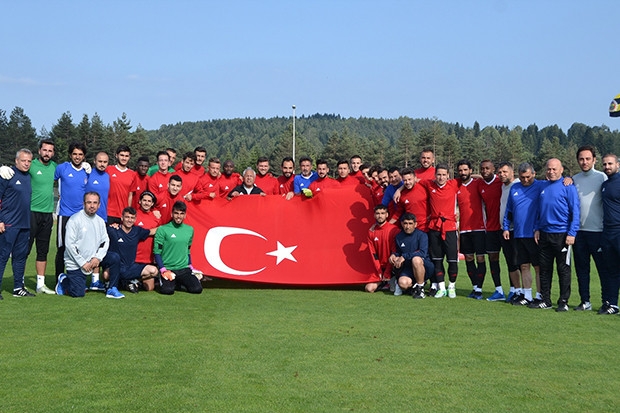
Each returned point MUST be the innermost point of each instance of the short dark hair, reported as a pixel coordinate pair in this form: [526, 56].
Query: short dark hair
[128, 210]
[46, 142]
[321, 162]
[179, 206]
[123, 148]
[160, 153]
[77, 145]
[305, 159]
[148, 193]
[262, 159]
[506, 163]
[407, 171]
[176, 178]
[174, 151]
[200, 149]
[342, 161]
[586, 148]
[465, 162]
[287, 159]
[91, 193]
[408, 216]
[144, 159]
[189, 155]
[393, 169]
[380, 206]
[442, 166]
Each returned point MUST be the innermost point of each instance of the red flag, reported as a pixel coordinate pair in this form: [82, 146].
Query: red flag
[303, 241]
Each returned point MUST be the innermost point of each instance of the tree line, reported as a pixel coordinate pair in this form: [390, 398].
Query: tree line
[388, 142]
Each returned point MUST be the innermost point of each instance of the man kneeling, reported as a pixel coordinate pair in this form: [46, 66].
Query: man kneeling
[87, 242]
[410, 259]
[172, 253]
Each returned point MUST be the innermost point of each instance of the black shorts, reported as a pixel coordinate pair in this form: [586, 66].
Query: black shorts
[494, 241]
[41, 224]
[473, 243]
[509, 247]
[527, 252]
[132, 272]
[438, 247]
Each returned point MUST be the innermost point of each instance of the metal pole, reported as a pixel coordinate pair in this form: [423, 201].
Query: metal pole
[293, 133]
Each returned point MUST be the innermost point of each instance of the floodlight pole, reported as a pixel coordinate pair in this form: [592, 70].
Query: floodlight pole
[294, 133]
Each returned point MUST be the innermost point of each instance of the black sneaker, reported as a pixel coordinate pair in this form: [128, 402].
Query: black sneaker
[22, 292]
[584, 306]
[418, 292]
[540, 304]
[562, 307]
[432, 292]
[522, 301]
[132, 287]
[608, 309]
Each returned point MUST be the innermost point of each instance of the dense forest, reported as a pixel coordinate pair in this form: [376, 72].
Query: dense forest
[388, 142]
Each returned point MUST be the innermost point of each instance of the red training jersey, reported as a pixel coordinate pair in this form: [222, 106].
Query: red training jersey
[442, 204]
[323, 183]
[285, 185]
[120, 184]
[227, 183]
[470, 207]
[381, 246]
[267, 183]
[491, 193]
[415, 201]
[146, 220]
[138, 185]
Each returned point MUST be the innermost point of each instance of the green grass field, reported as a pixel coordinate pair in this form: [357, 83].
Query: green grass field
[240, 347]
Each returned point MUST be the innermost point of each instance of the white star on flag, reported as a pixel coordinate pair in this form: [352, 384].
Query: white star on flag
[283, 253]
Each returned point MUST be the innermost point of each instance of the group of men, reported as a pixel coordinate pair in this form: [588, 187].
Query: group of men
[534, 222]
[124, 228]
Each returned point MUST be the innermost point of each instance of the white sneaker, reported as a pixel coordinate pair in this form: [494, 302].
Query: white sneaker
[44, 290]
[452, 292]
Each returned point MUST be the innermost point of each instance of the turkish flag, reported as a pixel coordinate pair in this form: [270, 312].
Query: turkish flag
[303, 241]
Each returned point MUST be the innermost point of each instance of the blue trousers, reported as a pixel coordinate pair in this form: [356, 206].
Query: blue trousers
[588, 244]
[610, 279]
[75, 283]
[14, 243]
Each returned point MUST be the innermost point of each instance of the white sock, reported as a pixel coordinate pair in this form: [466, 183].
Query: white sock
[435, 286]
[40, 280]
[538, 296]
[477, 289]
[518, 291]
[499, 289]
[442, 286]
[528, 293]
[512, 289]
[95, 277]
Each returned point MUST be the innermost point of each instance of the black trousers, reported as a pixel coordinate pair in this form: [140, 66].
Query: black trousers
[553, 247]
[185, 278]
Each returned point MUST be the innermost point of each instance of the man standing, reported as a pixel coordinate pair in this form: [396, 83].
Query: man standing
[519, 221]
[557, 226]
[247, 187]
[190, 178]
[285, 181]
[427, 170]
[229, 178]
[356, 169]
[344, 178]
[99, 182]
[490, 190]
[471, 220]
[264, 178]
[158, 182]
[121, 178]
[140, 182]
[166, 200]
[588, 240]
[610, 279]
[323, 181]
[410, 257]
[86, 250]
[442, 236]
[208, 186]
[15, 196]
[381, 245]
[413, 199]
[306, 177]
[72, 177]
[42, 207]
[506, 175]
[172, 246]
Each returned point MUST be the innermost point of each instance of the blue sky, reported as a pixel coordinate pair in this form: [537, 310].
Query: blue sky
[498, 62]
